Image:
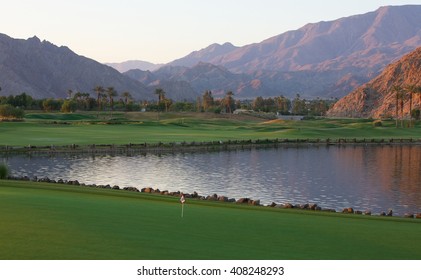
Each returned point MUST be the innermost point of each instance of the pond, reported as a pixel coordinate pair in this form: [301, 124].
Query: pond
[365, 177]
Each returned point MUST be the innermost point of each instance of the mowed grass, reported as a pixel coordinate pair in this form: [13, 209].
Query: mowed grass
[124, 128]
[46, 221]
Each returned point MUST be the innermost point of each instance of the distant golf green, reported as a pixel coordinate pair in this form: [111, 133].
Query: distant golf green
[124, 128]
[48, 221]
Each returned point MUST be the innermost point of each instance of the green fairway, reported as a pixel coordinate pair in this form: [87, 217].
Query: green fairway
[47, 221]
[124, 128]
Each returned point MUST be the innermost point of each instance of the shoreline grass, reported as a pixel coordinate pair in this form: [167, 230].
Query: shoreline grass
[48, 221]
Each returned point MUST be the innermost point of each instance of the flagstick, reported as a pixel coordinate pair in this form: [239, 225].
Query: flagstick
[182, 210]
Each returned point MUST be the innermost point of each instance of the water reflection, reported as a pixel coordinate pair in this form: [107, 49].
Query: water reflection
[365, 177]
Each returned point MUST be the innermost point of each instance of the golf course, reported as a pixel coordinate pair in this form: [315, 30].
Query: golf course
[123, 128]
[55, 221]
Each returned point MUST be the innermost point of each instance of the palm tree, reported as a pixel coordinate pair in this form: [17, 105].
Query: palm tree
[111, 93]
[397, 89]
[228, 101]
[161, 94]
[161, 97]
[411, 89]
[126, 96]
[99, 90]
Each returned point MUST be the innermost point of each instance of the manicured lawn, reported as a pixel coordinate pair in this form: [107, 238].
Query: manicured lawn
[46, 221]
[87, 128]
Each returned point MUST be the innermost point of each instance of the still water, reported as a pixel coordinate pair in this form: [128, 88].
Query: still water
[375, 178]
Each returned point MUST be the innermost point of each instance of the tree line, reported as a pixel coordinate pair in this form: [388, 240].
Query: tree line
[108, 99]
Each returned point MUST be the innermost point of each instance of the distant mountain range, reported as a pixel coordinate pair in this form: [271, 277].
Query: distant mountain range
[377, 97]
[322, 59]
[134, 64]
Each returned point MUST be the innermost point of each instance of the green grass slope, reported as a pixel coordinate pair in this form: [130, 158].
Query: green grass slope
[46, 221]
[83, 129]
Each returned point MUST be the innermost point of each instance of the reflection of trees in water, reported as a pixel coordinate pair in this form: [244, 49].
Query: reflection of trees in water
[406, 172]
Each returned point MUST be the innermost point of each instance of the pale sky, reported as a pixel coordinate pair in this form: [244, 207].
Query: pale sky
[160, 31]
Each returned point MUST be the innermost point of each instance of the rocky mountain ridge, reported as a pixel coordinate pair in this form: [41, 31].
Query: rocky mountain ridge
[377, 98]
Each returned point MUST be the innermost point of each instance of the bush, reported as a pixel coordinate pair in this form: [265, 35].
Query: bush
[377, 123]
[9, 112]
[4, 171]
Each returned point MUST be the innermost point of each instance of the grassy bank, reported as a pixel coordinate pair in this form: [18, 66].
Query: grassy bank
[124, 128]
[47, 221]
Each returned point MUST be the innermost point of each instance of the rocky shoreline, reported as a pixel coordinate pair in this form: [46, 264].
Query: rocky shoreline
[215, 197]
[197, 146]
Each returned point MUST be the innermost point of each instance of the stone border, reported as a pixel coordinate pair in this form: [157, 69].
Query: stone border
[198, 146]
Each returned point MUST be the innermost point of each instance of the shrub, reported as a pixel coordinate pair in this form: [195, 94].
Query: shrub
[377, 123]
[4, 171]
[9, 112]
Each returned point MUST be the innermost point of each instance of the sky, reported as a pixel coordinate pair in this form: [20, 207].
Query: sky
[160, 31]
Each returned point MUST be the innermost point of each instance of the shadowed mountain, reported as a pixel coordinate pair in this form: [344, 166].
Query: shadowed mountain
[42, 70]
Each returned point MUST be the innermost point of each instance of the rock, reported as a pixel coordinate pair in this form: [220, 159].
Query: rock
[212, 198]
[254, 202]
[148, 190]
[348, 210]
[131, 189]
[312, 206]
[223, 198]
[304, 206]
[243, 200]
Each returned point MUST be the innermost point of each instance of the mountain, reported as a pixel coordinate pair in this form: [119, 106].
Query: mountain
[176, 90]
[201, 77]
[204, 55]
[377, 98]
[361, 41]
[321, 59]
[134, 64]
[42, 70]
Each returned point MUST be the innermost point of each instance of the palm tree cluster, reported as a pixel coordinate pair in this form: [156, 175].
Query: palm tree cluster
[402, 94]
[106, 96]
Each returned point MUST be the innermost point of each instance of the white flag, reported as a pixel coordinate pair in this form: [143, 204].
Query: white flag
[182, 199]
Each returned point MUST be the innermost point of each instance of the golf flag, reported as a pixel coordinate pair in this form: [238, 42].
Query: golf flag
[182, 200]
